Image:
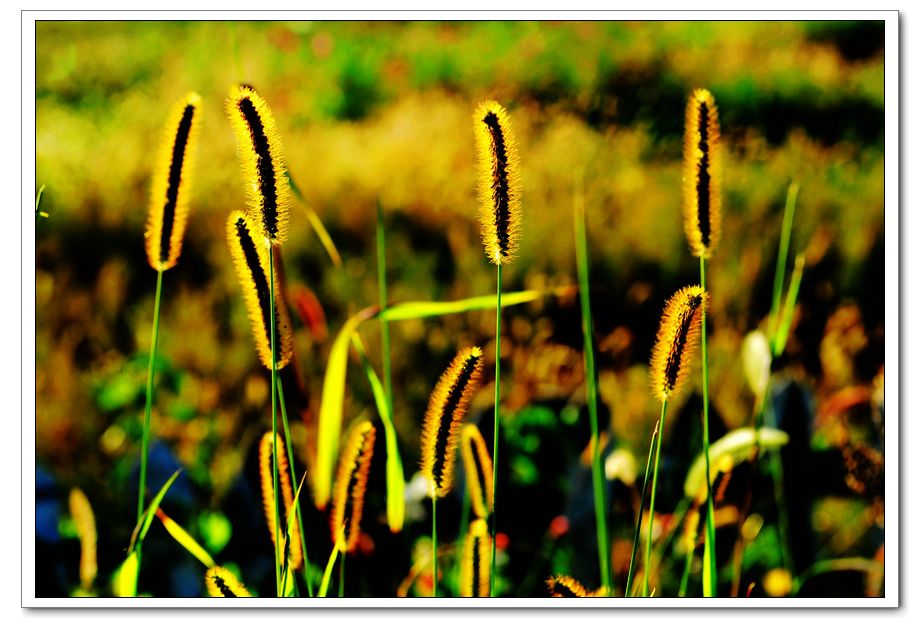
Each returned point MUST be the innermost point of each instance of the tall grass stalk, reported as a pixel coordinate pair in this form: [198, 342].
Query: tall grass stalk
[651, 504]
[434, 546]
[709, 545]
[271, 309]
[382, 300]
[632, 558]
[597, 472]
[290, 454]
[148, 406]
[498, 362]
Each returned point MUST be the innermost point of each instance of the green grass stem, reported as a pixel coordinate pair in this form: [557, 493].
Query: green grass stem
[710, 574]
[434, 546]
[271, 309]
[632, 558]
[297, 508]
[587, 329]
[779, 277]
[498, 362]
[651, 504]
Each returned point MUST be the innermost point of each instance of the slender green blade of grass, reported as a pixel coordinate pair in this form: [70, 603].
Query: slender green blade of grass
[274, 360]
[651, 501]
[140, 532]
[38, 202]
[382, 301]
[288, 529]
[327, 574]
[648, 466]
[710, 573]
[779, 277]
[184, 539]
[587, 328]
[785, 325]
[330, 412]
[498, 371]
[293, 472]
[738, 444]
[425, 309]
[317, 225]
[395, 477]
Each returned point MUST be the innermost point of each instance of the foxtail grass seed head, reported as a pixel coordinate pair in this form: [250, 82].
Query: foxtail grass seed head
[677, 338]
[261, 157]
[169, 192]
[351, 484]
[478, 467]
[702, 174]
[474, 570]
[566, 586]
[251, 263]
[221, 582]
[287, 496]
[446, 408]
[499, 182]
[85, 522]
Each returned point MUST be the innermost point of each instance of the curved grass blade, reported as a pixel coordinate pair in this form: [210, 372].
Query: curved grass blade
[144, 524]
[396, 480]
[124, 581]
[38, 202]
[782, 333]
[185, 539]
[739, 444]
[318, 227]
[425, 309]
[779, 277]
[327, 575]
[288, 530]
[330, 412]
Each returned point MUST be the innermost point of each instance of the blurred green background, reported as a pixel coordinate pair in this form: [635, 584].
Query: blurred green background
[381, 112]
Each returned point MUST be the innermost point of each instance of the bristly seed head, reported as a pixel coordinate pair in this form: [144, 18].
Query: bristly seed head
[678, 333]
[478, 467]
[252, 268]
[499, 182]
[474, 570]
[261, 157]
[266, 476]
[221, 582]
[169, 192]
[702, 174]
[351, 485]
[447, 407]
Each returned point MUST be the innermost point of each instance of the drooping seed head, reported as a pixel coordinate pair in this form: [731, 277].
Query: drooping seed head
[171, 186]
[446, 408]
[295, 551]
[252, 268]
[474, 570]
[261, 157]
[351, 485]
[566, 586]
[678, 333]
[702, 174]
[221, 582]
[499, 182]
[478, 467]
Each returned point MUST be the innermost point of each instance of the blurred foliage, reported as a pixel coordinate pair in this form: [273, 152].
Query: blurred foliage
[381, 111]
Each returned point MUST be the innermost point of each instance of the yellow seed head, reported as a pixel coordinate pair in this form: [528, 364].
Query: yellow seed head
[474, 570]
[499, 182]
[221, 582]
[702, 174]
[169, 192]
[351, 484]
[446, 408]
[83, 518]
[251, 263]
[566, 586]
[677, 337]
[259, 146]
[287, 495]
[478, 467]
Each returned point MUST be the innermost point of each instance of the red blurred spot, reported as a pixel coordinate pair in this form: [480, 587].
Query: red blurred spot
[310, 312]
[365, 544]
[501, 541]
[558, 526]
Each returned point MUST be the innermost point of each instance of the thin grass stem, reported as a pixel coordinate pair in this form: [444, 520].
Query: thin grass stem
[271, 309]
[632, 558]
[148, 409]
[779, 277]
[342, 576]
[597, 472]
[290, 455]
[464, 528]
[651, 504]
[434, 546]
[685, 577]
[498, 362]
[709, 545]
